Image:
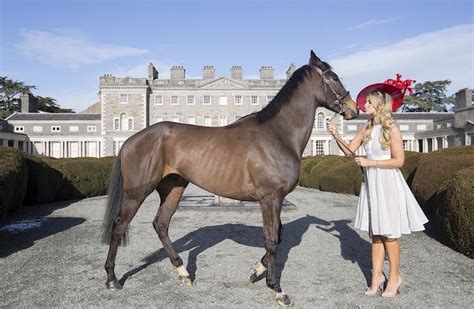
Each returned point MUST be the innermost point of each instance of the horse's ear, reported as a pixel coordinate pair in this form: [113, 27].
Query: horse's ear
[314, 60]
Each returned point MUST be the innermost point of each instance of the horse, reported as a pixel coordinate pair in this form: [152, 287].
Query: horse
[256, 158]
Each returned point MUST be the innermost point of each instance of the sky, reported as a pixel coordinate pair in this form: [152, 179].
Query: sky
[63, 46]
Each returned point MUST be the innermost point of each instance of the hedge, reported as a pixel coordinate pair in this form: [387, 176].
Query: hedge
[345, 178]
[435, 168]
[13, 179]
[313, 167]
[455, 211]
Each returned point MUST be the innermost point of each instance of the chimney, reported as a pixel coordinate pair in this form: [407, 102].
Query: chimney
[236, 72]
[290, 71]
[463, 98]
[208, 72]
[266, 72]
[29, 104]
[152, 72]
[177, 72]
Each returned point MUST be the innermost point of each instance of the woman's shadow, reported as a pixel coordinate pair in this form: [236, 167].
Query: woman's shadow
[204, 238]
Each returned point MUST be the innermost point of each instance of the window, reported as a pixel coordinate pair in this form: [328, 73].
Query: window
[190, 100]
[352, 127]
[421, 127]
[124, 98]
[37, 129]
[56, 129]
[403, 127]
[175, 118]
[174, 100]
[130, 124]
[238, 100]
[320, 121]
[158, 119]
[207, 121]
[222, 100]
[191, 120]
[116, 124]
[123, 122]
[319, 148]
[117, 145]
[222, 121]
[406, 144]
[158, 100]
[237, 117]
[91, 129]
[448, 125]
[206, 100]
[19, 129]
[73, 129]
[270, 98]
[254, 100]
[438, 126]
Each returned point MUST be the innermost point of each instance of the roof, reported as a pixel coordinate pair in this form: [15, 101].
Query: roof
[415, 116]
[53, 116]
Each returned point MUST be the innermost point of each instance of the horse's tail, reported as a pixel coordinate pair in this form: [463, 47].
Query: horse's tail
[114, 203]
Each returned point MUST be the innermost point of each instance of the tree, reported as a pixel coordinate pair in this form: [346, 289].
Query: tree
[49, 105]
[10, 94]
[429, 96]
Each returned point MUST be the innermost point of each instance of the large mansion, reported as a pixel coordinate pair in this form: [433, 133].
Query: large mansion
[128, 105]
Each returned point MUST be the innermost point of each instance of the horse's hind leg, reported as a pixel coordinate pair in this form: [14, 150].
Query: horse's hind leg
[170, 189]
[131, 203]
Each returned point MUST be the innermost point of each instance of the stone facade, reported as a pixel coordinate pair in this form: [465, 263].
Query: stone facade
[128, 105]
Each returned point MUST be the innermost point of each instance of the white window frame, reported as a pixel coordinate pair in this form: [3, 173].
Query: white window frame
[130, 124]
[222, 120]
[121, 97]
[204, 100]
[208, 117]
[73, 128]
[252, 100]
[404, 127]
[237, 117]
[116, 124]
[191, 119]
[91, 128]
[55, 128]
[37, 128]
[193, 100]
[320, 121]
[19, 129]
[270, 98]
[173, 97]
[160, 101]
[175, 118]
[241, 100]
[158, 119]
[421, 127]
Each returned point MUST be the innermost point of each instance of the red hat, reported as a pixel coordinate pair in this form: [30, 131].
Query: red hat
[395, 88]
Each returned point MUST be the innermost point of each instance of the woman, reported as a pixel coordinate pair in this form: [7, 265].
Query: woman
[386, 207]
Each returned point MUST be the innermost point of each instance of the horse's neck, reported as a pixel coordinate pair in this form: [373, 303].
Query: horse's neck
[294, 123]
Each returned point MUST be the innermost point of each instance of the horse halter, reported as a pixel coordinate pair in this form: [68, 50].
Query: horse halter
[339, 99]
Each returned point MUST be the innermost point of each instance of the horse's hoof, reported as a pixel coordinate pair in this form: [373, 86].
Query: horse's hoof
[253, 277]
[113, 285]
[284, 300]
[186, 280]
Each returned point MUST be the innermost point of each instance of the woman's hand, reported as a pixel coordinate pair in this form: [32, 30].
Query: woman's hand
[332, 128]
[364, 162]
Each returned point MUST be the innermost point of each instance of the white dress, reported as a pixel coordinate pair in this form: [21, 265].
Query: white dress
[386, 205]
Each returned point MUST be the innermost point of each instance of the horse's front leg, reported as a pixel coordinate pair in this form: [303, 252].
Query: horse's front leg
[260, 267]
[271, 209]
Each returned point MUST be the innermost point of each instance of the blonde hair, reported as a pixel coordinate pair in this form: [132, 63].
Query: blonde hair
[382, 104]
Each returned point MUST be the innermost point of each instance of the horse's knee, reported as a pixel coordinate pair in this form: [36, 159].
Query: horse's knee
[271, 246]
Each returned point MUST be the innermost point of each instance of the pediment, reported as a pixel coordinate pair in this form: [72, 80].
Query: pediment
[222, 83]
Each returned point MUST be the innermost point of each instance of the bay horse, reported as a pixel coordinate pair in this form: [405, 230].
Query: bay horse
[256, 158]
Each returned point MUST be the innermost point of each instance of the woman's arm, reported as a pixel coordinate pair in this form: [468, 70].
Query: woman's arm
[396, 149]
[353, 145]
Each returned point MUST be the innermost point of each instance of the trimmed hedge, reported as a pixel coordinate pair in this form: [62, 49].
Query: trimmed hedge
[435, 168]
[345, 178]
[408, 169]
[455, 212]
[314, 166]
[13, 179]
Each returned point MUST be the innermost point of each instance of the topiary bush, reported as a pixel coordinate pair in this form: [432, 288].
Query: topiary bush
[435, 168]
[13, 179]
[345, 178]
[455, 211]
[410, 166]
[313, 169]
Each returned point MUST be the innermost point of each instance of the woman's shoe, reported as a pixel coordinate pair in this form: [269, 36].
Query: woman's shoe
[378, 290]
[387, 294]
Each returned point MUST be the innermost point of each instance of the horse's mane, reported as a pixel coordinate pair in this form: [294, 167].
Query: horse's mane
[283, 96]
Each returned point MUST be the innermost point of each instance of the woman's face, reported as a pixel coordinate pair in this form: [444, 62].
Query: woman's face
[369, 107]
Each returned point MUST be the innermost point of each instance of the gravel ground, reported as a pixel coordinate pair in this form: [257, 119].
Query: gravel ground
[50, 255]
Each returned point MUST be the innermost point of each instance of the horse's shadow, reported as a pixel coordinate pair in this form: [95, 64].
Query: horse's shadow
[204, 238]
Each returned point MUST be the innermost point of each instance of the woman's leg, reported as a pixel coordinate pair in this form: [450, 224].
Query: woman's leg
[378, 256]
[392, 246]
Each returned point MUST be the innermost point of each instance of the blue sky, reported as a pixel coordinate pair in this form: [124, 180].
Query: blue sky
[62, 47]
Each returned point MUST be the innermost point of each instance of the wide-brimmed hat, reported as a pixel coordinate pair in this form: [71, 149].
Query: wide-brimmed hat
[394, 87]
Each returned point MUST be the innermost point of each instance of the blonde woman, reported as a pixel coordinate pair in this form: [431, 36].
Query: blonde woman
[386, 207]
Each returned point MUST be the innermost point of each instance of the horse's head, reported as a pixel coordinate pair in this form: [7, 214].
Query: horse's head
[330, 91]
